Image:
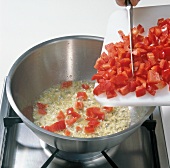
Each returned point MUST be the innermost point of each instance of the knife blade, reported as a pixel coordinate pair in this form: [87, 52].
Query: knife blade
[129, 8]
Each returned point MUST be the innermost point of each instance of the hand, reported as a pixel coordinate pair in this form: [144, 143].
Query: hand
[122, 2]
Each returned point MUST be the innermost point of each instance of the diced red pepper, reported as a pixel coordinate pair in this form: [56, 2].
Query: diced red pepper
[111, 93]
[57, 126]
[125, 90]
[153, 77]
[82, 96]
[72, 112]
[151, 88]
[140, 91]
[99, 89]
[60, 115]
[71, 121]
[89, 129]
[167, 53]
[79, 105]
[85, 86]
[161, 84]
[78, 128]
[163, 65]
[95, 112]
[133, 84]
[93, 122]
[66, 84]
[42, 108]
[67, 132]
[121, 79]
[166, 75]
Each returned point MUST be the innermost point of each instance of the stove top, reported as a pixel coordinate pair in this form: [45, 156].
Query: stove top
[20, 147]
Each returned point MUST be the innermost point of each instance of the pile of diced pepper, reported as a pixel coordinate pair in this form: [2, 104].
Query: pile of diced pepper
[151, 61]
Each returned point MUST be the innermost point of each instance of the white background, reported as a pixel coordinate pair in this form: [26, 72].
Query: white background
[25, 23]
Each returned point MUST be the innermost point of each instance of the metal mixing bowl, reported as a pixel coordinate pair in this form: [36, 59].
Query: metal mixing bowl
[49, 63]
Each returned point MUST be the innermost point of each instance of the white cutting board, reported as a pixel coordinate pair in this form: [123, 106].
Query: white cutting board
[147, 17]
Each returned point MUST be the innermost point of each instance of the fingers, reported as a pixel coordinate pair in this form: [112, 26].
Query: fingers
[134, 2]
[122, 2]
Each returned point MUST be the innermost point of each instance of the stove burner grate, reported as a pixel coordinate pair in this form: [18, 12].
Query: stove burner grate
[58, 155]
[53, 153]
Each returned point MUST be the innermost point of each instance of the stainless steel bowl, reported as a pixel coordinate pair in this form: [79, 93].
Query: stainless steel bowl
[54, 61]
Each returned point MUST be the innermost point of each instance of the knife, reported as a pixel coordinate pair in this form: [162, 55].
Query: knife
[129, 8]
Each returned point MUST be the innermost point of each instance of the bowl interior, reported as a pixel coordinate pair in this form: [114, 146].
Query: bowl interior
[50, 63]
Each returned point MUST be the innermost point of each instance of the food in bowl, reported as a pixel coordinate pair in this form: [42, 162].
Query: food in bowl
[70, 109]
